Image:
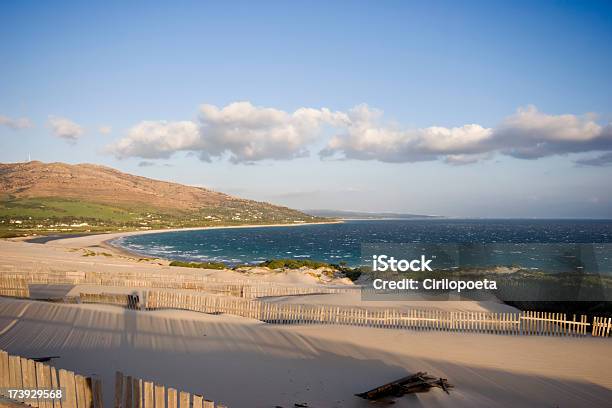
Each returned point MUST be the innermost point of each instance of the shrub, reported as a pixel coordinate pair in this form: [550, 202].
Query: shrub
[203, 265]
[293, 264]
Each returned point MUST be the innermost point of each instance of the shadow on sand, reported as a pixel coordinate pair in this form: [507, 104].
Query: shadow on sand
[244, 363]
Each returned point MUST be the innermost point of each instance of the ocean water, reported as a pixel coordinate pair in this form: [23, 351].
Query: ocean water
[336, 243]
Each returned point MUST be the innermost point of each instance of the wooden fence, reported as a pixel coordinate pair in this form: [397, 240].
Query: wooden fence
[14, 287]
[553, 324]
[22, 373]
[601, 326]
[82, 392]
[131, 392]
[523, 323]
[171, 280]
[532, 323]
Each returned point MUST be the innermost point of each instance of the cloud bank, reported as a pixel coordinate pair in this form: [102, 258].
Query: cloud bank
[246, 133]
[65, 128]
[527, 134]
[241, 131]
[15, 124]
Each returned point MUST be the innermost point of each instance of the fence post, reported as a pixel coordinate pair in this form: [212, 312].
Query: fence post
[79, 382]
[66, 379]
[97, 393]
[4, 369]
[55, 385]
[197, 401]
[184, 399]
[172, 398]
[128, 401]
[148, 395]
[160, 391]
[118, 389]
[43, 381]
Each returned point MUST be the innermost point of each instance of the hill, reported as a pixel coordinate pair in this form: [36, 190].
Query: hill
[359, 215]
[51, 197]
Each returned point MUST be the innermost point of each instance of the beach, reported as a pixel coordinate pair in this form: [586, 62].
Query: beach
[243, 362]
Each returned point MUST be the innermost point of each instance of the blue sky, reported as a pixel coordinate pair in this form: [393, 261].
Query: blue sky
[123, 84]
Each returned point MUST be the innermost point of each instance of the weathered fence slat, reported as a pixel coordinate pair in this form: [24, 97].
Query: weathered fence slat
[98, 401]
[148, 395]
[160, 396]
[118, 389]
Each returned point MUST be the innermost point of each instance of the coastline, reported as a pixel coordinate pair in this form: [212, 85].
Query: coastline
[160, 344]
[105, 240]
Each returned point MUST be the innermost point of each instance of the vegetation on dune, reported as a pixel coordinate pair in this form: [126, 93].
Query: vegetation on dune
[293, 264]
[12, 234]
[275, 264]
[352, 273]
[203, 265]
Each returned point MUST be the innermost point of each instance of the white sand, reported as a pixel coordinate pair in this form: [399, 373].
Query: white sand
[67, 254]
[416, 302]
[246, 363]
[249, 364]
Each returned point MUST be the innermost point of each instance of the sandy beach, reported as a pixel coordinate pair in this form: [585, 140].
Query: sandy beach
[322, 366]
[246, 363]
[105, 240]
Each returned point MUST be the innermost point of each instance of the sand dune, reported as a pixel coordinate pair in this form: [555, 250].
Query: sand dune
[245, 363]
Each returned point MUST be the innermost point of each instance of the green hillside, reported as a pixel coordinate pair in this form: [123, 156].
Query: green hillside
[53, 215]
[60, 198]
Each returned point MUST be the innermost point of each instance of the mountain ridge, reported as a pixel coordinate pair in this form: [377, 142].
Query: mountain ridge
[38, 179]
[56, 196]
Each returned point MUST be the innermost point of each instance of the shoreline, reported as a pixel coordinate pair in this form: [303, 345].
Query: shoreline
[105, 240]
[108, 243]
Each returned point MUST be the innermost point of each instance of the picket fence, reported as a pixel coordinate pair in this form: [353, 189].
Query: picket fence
[244, 304]
[180, 280]
[602, 327]
[83, 392]
[14, 287]
[132, 392]
[523, 323]
[22, 373]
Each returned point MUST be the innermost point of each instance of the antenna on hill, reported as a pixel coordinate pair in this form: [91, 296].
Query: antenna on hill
[29, 158]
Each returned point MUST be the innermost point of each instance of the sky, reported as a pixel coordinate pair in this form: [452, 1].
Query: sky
[463, 109]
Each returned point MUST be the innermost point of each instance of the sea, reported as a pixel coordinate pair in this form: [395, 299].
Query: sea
[520, 240]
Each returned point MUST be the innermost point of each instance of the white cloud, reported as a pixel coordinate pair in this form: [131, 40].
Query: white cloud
[241, 130]
[367, 139]
[65, 128]
[246, 133]
[249, 133]
[17, 123]
[528, 134]
[157, 139]
[105, 130]
[531, 134]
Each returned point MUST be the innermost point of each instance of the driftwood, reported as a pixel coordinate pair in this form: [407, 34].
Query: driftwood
[43, 359]
[419, 382]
